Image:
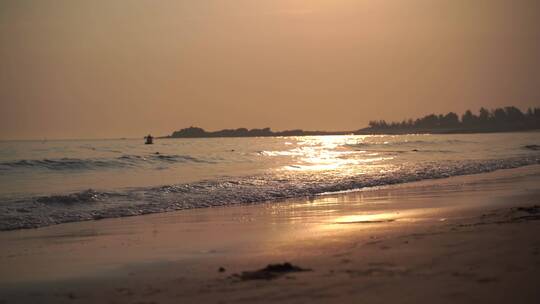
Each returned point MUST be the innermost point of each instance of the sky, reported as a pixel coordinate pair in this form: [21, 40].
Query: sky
[113, 68]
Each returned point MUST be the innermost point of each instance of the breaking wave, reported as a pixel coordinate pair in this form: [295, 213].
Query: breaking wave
[123, 161]
[418, 144]
[41, 211]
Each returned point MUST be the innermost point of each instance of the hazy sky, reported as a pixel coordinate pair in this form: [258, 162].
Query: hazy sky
[82, 69]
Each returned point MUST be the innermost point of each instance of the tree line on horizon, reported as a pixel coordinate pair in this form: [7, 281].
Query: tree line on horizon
[496, 120]
[499, 119]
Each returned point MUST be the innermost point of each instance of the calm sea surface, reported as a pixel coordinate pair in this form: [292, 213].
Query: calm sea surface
[44, 183]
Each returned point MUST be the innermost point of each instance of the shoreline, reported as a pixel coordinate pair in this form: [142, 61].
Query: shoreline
[377, 239]
[57, 214]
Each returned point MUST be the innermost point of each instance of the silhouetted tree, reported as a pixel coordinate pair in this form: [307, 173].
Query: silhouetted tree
[513, 114]
[498, 115]
[450, 120]
[468, 118]
[483, 117]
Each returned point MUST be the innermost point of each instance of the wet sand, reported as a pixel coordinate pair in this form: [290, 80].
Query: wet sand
[470, 239]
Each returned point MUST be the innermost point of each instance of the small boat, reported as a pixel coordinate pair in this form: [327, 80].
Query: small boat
[149, 140]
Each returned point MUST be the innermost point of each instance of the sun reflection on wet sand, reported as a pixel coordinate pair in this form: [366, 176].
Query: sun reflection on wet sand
[367, 218]
[340, 223]
[336, 216]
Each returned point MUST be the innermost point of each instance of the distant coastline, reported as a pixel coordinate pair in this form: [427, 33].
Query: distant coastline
[195, 132]
[507, 119]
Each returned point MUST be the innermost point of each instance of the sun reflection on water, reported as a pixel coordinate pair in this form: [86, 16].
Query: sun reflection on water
[330, 153]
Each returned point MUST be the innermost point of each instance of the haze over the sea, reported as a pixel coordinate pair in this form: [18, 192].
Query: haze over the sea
[87, 69]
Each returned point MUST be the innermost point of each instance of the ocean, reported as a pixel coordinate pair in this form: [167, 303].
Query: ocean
[50, 182]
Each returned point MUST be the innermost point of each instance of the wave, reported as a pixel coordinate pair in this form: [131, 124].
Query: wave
[123, 161]
[87, 196]
[41, 211]
[415, 143]
[61, 164]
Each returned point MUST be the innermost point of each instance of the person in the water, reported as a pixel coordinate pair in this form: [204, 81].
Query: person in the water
[149, 139]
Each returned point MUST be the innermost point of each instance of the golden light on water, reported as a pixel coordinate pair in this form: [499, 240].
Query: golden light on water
[328, 153]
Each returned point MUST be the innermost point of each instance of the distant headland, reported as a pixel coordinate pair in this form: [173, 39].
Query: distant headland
[194, 132]
[507, 119]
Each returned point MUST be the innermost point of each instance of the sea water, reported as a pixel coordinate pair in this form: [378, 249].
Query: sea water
[50, 182]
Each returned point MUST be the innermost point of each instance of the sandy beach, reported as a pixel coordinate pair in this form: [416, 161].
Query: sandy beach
[467, 239]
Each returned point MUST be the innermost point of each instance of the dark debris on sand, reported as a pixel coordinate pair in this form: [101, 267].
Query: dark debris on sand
[532, 147]
[532, 213]
[508, 216]
[531, 210]
[270, 272]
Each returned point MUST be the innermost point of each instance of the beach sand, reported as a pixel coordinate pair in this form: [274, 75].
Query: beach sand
[468, 239]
